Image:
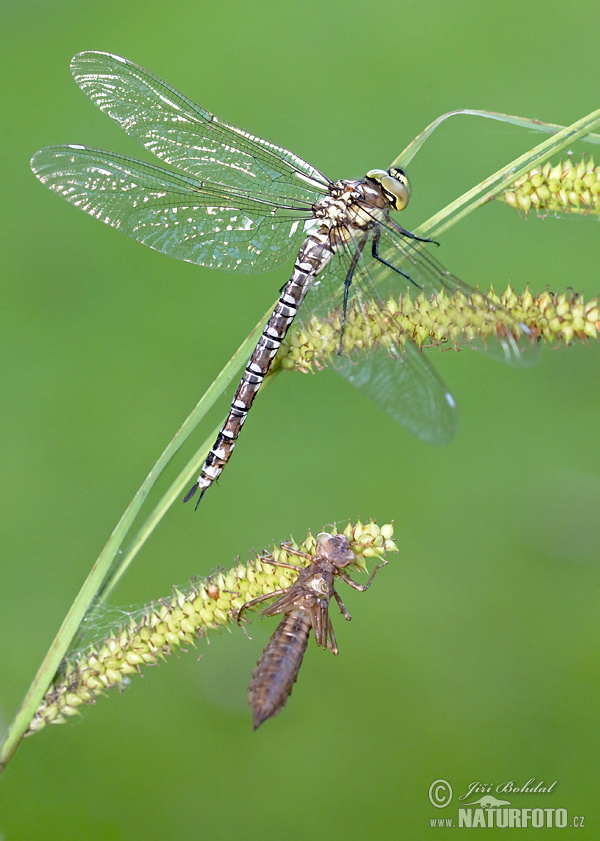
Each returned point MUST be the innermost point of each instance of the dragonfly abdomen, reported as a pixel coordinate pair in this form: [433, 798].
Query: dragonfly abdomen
[276, 671]
[312, 258]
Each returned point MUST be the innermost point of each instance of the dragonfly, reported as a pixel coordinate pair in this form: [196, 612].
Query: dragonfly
[236, 202]
[305, 607]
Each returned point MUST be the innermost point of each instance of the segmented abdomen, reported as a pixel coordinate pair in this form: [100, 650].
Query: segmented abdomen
[277, 670]
[312, 258]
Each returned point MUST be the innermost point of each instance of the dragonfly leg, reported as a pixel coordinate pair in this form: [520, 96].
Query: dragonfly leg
[281, 564]
[341, 606]
[331, 642]
[350, 272]
[375, 253]
[362, 587]
[323, 629]
[258, 600]
[290, 550]
[348, 284]
[410, 234]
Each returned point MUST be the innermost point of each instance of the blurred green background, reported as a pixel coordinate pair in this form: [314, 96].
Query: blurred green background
[474, 655]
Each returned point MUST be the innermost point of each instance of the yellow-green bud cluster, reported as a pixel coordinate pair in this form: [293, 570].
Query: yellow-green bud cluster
[554, 317]
[166, 625]
[566, 187]
[442, 320]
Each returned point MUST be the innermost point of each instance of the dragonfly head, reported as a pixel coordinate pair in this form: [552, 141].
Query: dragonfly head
[335, 549]
[394, 184]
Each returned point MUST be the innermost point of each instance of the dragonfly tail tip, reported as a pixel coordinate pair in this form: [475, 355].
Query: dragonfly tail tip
[191, 492]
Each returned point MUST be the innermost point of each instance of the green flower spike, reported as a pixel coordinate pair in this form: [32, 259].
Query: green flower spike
[166, 625]
[443, 320]
[567, 187]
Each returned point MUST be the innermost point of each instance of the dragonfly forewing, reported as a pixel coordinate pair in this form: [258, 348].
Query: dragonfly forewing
[189, 137]
[171, 212]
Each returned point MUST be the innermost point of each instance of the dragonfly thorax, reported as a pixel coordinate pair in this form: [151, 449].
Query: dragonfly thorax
[351, 208]
[320, 584]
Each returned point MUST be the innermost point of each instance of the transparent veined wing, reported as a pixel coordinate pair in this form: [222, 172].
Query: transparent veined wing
[179, 215]
[402, 381]
[485, 324]
[189, 137]
[461, 315]
[372, 345]
[390, 369]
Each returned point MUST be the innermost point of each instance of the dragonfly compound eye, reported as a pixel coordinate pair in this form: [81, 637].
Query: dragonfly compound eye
[395, 185]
